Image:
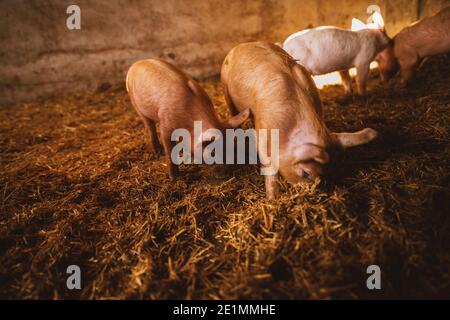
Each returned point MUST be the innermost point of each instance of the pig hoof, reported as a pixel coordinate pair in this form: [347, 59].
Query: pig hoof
[349, 91]
[173, 174]
[271, 195]
[157, 151]
[371, 133]
[271, 198]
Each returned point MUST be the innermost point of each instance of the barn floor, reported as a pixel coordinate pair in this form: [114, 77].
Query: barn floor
[78, 186]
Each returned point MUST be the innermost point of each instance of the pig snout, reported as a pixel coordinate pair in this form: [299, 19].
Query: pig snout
[308, 162]
[312, 161]
[387, 63]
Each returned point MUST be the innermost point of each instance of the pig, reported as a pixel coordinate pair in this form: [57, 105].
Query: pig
[425, 38]
[281, 95]
[161, 93]
[327, 49]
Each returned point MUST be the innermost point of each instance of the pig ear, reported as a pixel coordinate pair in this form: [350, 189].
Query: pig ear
[348, 140]
[378, 20]
[309, 151]
[358, 25]
[237, 120]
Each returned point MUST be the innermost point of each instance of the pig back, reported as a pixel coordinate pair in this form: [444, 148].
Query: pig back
[427, 37]
[156, 87]
[324, 49]
[263, 77]
[254, 72]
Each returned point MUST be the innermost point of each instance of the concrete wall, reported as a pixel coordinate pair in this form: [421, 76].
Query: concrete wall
[39, 56]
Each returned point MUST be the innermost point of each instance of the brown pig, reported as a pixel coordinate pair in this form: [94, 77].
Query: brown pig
[281, 95]
[163, 94]
[427, 37]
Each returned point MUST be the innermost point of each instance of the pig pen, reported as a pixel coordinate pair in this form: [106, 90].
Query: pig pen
[79, 186]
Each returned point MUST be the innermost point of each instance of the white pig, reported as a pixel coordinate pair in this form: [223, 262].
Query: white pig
[281, 95]
[327, 49]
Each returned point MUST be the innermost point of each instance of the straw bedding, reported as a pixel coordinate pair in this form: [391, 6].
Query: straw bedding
[79, 186]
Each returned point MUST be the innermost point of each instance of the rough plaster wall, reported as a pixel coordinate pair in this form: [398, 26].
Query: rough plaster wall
[40, 57]
[300, 14]
[430, 7]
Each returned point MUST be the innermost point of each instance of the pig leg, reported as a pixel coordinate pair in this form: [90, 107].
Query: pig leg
[150, 127]
[347, 81]
[230, 103]
[271, 186]
[171, 167]
[408, 68]
[362, 71]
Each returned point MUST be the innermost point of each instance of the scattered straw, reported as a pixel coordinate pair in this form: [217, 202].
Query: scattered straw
[78, 186]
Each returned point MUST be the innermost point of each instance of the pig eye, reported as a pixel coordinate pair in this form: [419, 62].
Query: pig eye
[306, 174]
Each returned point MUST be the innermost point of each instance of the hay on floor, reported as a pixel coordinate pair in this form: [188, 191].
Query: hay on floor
[79, 186]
